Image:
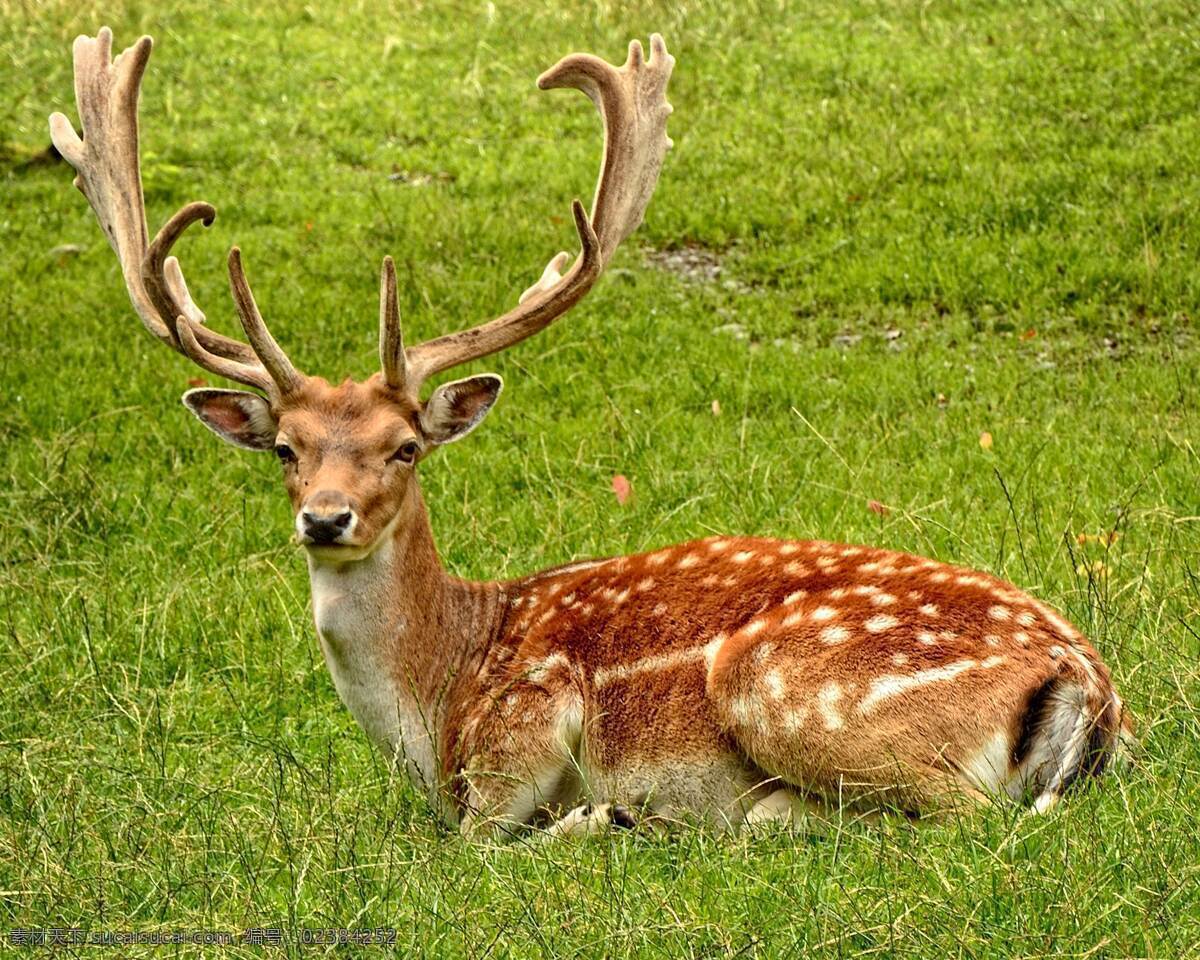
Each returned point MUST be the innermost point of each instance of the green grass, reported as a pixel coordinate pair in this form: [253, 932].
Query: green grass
[172, 752]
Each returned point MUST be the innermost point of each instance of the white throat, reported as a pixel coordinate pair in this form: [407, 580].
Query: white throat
[362, 635]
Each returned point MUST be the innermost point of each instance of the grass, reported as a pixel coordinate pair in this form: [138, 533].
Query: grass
[933, 220]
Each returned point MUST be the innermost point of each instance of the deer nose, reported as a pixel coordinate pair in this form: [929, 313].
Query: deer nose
[323, 527]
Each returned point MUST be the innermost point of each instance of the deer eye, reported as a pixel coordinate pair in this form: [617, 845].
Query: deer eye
[407, 453]
[285, 453]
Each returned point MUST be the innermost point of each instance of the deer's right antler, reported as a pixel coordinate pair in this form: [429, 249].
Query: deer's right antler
[108, 173]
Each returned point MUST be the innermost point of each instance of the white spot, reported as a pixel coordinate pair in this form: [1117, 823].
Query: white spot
[835, 634]
[939, 576]
[792, 619]
[762, 652]
[1056, 651]
[659, 609]
[881, 622]
[992, 662]
[899, 659]
[914, 594]
[929, 609]
[754, 627]
[766, 559]
[1026, 619]
[795, 568]
[793, 720]
[742, 556]
[710, 581]
[866, 589]
[883, 599]
[1022, 638]
[967, 580]
[891, 686]
[926, 638]
[658, 559]
[869, 567]
[787, 549]
[837, 593]
[709, 650]
[827, 563]
[1059, 623]
[991, 640]
[687, 560]
[824, 613]
[774, 681]
[827, 699]
[999, 613]
[646, 583]
[851, 551]
[794, 597]
[718, 546]
[546, 617]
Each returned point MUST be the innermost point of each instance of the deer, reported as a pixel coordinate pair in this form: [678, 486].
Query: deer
[730, 681]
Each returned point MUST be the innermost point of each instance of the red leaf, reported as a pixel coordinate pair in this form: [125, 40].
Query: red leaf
[876, 507]
[1029, 334]
[197, 382]
[622, 489]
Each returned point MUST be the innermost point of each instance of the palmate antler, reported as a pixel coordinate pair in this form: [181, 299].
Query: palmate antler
[632, 104]
[109, 175]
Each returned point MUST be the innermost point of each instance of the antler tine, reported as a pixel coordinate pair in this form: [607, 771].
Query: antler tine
[634, 110]
[286, 377]
[391, 338]
[108, 173]
[251, 375]
[169, 293]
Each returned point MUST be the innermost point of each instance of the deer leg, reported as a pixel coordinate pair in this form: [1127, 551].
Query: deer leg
[590, 819]
[782, 805]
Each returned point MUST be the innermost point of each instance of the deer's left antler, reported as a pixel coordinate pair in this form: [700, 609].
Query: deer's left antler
[634, 109]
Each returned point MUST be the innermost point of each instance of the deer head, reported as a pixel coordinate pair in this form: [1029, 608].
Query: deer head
[348, 452]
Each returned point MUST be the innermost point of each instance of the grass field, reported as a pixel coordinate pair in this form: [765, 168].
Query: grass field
[931, 221]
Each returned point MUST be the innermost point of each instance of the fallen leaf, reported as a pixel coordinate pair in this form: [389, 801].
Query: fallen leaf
[941, 400]
[876, 507]
[1029, 334]
[622, 489]
[308, 226]
[985, 440]
[716, 408]
[197, 382]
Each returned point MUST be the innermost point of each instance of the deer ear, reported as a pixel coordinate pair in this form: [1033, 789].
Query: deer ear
[456, 408]
[236, 416]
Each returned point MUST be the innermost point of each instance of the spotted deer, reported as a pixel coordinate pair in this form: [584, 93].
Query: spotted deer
[732, 680]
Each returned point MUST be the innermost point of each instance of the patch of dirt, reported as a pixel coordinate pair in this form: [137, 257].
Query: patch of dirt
[695, 264]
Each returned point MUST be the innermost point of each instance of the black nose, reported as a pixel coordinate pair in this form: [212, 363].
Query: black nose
[326, 529]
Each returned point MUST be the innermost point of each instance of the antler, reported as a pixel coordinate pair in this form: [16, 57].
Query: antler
[108, 174]
[633, 106]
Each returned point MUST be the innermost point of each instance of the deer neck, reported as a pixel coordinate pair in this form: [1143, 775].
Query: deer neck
[395, 630]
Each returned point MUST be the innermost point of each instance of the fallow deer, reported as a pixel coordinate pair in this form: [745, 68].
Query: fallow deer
[731, 679]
